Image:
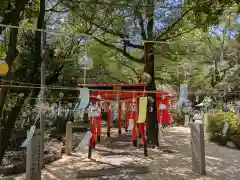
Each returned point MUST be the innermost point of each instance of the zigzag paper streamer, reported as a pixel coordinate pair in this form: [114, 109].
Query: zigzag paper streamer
[142, 110]
[160, 133]
[29, 136]
[84, 143]
[130, 124]
[94, 110]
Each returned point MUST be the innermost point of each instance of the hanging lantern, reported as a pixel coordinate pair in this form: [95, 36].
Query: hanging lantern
[86, 63]
[3, 68]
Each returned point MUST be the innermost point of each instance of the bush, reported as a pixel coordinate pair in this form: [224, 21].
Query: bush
[177, 117]
[216, 124]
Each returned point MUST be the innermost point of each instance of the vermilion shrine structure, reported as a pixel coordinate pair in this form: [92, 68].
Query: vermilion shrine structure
[128, 94]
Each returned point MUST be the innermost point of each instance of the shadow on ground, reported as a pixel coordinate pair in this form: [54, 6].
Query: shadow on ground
[116, 158]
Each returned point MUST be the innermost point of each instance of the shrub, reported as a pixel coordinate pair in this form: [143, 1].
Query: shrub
[216, 124]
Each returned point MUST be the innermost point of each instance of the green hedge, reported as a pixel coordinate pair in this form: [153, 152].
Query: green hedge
[216, 124]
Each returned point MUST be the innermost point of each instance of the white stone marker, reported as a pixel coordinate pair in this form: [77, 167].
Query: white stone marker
[198, 148]
[33, 169]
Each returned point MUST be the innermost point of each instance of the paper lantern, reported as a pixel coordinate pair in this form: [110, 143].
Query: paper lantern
[86, 63]
[3, 68]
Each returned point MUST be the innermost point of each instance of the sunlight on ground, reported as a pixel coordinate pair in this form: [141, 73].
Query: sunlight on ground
[119, 160]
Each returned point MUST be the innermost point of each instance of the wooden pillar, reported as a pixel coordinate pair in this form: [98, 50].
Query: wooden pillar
[198, 148]
[109, 119]
[119, 118]
[68, 147]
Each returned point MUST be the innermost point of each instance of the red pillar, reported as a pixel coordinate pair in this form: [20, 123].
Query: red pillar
[146, 125]
[126, 116]
[91, 142]
[99, 127]
[94, 132]
[99, 119]
[119, 118]
[109, 119]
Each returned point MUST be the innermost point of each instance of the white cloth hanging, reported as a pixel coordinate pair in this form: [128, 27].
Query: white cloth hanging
[84, 143]
[130, 124]
[30, 134]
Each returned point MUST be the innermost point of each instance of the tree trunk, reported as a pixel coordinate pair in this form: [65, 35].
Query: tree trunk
[12, 46]
[12, 13]
[152, 108]
[149, 68]
[9, 125]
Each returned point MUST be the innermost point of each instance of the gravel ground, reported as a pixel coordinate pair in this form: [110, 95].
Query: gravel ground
[12, 158]
[117, 159]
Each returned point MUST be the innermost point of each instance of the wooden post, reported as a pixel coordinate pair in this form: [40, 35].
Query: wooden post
[68, 147]
[33, 169]
[205, 121]
[198, 148]
[186, 120]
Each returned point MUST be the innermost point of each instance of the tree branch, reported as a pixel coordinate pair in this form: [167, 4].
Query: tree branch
[121, 35]
[8, 17]
[177, 35]
[139, 61]
[130, 67]
[170, 27]
[53, 9]
[57, 11]
[112, 77]
[141, 24]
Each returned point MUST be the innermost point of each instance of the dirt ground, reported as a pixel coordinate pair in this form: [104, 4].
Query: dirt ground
[119, 160]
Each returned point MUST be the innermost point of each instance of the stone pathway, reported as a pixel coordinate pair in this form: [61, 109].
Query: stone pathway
[119, 160]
